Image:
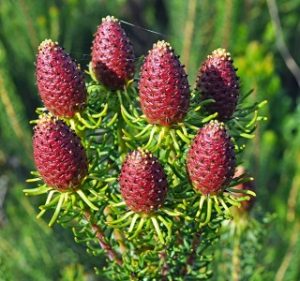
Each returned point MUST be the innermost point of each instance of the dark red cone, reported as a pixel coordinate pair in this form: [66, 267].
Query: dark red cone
[112, 55]
[163, 87]
[143, 182]
[60, 81]
[58, 154]
[217, 79]
[211, 159]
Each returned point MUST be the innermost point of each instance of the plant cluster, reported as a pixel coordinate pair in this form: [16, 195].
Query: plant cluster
[139, 164]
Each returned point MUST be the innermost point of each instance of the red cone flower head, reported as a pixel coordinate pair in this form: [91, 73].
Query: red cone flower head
[163, 87]
[58, 154]
[249, 185]
[211, 159]
[217, 80]
[60, 81]
[112, 54]
[143, 182]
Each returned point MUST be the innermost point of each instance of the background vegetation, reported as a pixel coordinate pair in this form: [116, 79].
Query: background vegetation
[264, 39]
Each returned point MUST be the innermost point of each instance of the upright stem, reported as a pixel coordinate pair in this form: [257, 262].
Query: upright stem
[188, 31]
[112, 255]
[236, 264]
[227, 23]
[292, 200]
[120, 125]
[288, 258]
[281, 44]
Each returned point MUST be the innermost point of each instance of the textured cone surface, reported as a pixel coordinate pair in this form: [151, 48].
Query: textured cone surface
[60, 82]
[217, 80]
[143, 182]
[249, 185]
[58, 154]
[211, 159]
[112, 55]
[163, 87]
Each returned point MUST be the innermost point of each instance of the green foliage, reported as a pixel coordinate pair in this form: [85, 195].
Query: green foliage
[172, 242]
[242, 26]
[29, 250]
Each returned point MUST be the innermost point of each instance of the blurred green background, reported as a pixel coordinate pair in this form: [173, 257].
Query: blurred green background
[263, 38]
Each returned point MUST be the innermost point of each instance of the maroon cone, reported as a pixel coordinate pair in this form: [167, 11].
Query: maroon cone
[112, 55]
[217, 79]
[163, 87]
[211, 159]
[60, 81]
[58, 154]
[143, 182]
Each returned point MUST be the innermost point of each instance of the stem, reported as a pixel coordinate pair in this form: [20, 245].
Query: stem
[195, 245]
[289, 254]
[227, 23]
[235, 261]
[192, 257]
[165, 267]
[112, 255]
[281, 44]
[120, 125]
[119, 237]
[292, 200]
[188, 31]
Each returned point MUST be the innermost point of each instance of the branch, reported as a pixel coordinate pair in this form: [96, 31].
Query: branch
[165, 267]
[281, 45]
[191, 258]
[118, 235]
[102, 241]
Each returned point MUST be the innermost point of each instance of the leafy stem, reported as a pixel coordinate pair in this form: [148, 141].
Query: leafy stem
[112, 255]
[235, 260]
